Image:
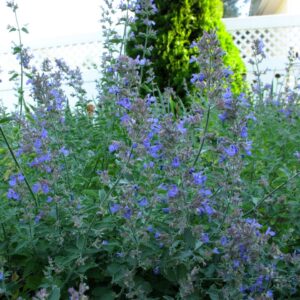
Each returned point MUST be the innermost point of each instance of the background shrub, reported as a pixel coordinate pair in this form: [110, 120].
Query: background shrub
[177, 25]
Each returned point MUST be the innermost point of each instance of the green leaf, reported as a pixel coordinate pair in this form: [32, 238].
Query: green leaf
[17, 49]
[103, 293]
[55, 294]
[117, 271]
[14, 76]
[213, 293]
[5, 120]
[24, 29]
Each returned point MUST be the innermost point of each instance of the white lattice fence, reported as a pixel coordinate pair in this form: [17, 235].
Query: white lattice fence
[279, 33]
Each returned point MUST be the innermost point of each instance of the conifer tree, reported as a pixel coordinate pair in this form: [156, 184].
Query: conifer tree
[177, 24]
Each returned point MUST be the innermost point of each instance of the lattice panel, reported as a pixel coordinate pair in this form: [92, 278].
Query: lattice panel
[277, 40]
[73, 54]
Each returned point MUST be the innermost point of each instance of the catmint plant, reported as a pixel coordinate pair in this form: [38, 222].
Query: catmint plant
[124, 197]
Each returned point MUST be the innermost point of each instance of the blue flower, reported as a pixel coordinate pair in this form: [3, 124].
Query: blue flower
[37, 145]
[1, 276]
[270, 232]
[269, 294]
[166, 210]
[205, 238]
[227, 96]
[115, 208]
[224, 240]
[12, 194]
[193, 59]
[143, 202]
[13, 181]
[223, 116]
[216, 251]
[207, 208]
[243, 101]
[181, 128]
[236, 263]
[194, 44]
[150, 228]
[254, 224]
[64, 151]
[150, 165]
[199, 178]
[113, 147]
[20, 177]
[127, 212]
[36, 187]
[124, 102]
[156, 270]
[244, 132]
[173, 191]
[49, 199]
[204, 192]
[227, 72]
[248, 147]
[114, 90]
[176, 162]
[232, 150]
[44, 133]
[157, 235]
[197, 77]
[125, 119]
[150, 99]
[153, 150]
[45, 188]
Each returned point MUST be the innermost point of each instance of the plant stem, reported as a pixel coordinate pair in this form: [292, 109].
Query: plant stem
[19, 167]
[204, 135]
[269, 195]
[21, 89]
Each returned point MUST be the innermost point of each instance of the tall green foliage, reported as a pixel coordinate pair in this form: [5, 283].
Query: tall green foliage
[178, 24]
